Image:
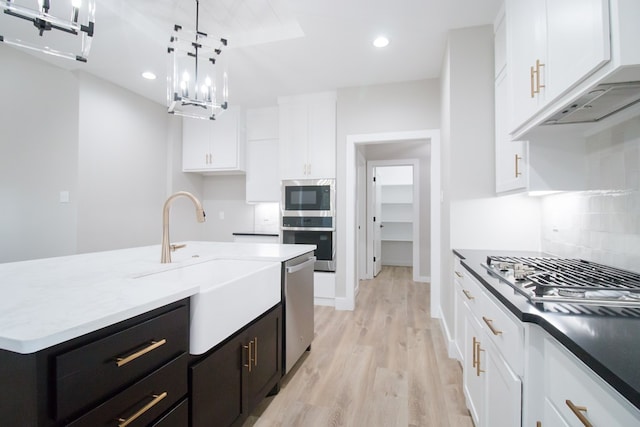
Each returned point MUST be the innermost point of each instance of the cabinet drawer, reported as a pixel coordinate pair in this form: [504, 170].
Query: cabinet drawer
[458, 270]
[176, 417]
[473, 295]
[91, 373]
[567, 379]
[144, 401]
[506, 332]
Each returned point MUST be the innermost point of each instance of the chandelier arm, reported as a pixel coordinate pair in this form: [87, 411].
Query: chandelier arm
[196, 48]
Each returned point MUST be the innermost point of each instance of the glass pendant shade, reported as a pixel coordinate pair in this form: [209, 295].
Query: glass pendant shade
[197, 84]
[63, 28]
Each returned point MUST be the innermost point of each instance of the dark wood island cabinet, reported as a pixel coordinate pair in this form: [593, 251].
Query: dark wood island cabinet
[231, 379]
[139, 373]
[133, 373]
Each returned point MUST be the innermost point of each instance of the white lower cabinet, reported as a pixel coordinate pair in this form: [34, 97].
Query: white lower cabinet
[493, 360]
[576, 396]
[517, 374]
[504, 391]
[459, 308]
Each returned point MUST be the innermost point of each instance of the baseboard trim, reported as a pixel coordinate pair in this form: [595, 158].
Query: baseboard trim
[452, 351]
[345, 304]
[329, 302]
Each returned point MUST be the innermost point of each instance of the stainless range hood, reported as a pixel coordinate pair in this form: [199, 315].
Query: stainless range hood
[598, 103]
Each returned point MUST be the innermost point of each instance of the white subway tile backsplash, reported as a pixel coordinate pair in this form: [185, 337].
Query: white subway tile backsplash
[601, 225]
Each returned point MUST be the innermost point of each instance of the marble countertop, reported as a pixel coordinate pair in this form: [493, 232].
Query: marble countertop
[47, 301]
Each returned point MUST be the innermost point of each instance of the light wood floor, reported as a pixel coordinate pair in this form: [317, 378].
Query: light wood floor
[384, 364]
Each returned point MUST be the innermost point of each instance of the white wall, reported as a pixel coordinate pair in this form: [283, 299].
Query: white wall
[116, 153]
[477, 219]
[38, 158]
[403, 106]
[227, 211]
[122, 167]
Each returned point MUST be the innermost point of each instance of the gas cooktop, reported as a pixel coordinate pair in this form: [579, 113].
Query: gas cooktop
[562, 280]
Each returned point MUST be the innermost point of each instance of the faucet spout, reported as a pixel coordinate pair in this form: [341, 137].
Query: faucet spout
[200, 217]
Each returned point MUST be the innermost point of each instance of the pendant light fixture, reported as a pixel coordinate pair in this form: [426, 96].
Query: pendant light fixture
[73, 21]
[193, 81]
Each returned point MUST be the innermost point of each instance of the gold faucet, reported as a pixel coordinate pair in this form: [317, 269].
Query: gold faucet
[166, 247]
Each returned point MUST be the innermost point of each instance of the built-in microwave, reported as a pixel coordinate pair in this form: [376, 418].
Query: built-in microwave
[308, 197]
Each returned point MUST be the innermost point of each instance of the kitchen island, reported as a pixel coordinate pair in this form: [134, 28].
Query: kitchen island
[600, 345]
[58, 314]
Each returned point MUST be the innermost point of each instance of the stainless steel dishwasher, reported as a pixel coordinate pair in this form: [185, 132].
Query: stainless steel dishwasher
[298, 307]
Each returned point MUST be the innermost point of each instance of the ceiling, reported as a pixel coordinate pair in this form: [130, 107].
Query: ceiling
[276, 47]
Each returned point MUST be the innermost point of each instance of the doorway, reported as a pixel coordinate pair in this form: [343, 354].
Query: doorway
[353, 226]
[393, 219]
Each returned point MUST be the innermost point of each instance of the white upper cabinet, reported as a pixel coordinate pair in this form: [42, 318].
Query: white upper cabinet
[214, 146]
[308, 136]
[552, 45]
[511, 161]
[263, 177]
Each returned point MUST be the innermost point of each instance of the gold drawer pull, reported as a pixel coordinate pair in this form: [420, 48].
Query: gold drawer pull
[458, 274]
[120, 361]
[255, 352]
[489, 323]
[124, 422]
[578, 411]
[478, 370]
[475, 360]
[468, 294]
[249, 359]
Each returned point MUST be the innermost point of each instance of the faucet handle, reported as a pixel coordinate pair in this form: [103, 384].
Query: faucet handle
[176, 247]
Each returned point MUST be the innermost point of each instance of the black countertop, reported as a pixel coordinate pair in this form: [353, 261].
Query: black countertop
[609, 345]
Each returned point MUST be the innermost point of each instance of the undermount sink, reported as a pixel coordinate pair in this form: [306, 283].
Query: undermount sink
[231, 294]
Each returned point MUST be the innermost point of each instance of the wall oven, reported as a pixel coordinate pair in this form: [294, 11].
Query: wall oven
[308, 197]
[319, 231]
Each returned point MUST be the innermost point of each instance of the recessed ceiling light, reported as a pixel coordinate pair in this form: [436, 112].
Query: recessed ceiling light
[381, 41]
[149, 75]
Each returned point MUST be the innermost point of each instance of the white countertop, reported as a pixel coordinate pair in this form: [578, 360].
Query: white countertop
[48, 301]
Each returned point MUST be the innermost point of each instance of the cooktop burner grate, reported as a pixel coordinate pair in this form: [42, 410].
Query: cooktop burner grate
[575, 274]
[563, 280]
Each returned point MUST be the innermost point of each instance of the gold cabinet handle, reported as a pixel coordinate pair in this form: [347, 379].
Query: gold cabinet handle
[475, 360]
[458, 274]
[249, 359]
[538, 66]
[478, 370]
[533, 87]
[468, 294]
[578, 411]
[255, 351]
[489, 323]
[121, 361]
[518, 173]
[124, 422]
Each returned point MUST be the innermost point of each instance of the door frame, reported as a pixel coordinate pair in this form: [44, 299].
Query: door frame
[433, 135]
[415, 164]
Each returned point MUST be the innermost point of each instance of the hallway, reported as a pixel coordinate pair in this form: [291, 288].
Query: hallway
[384, 364]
